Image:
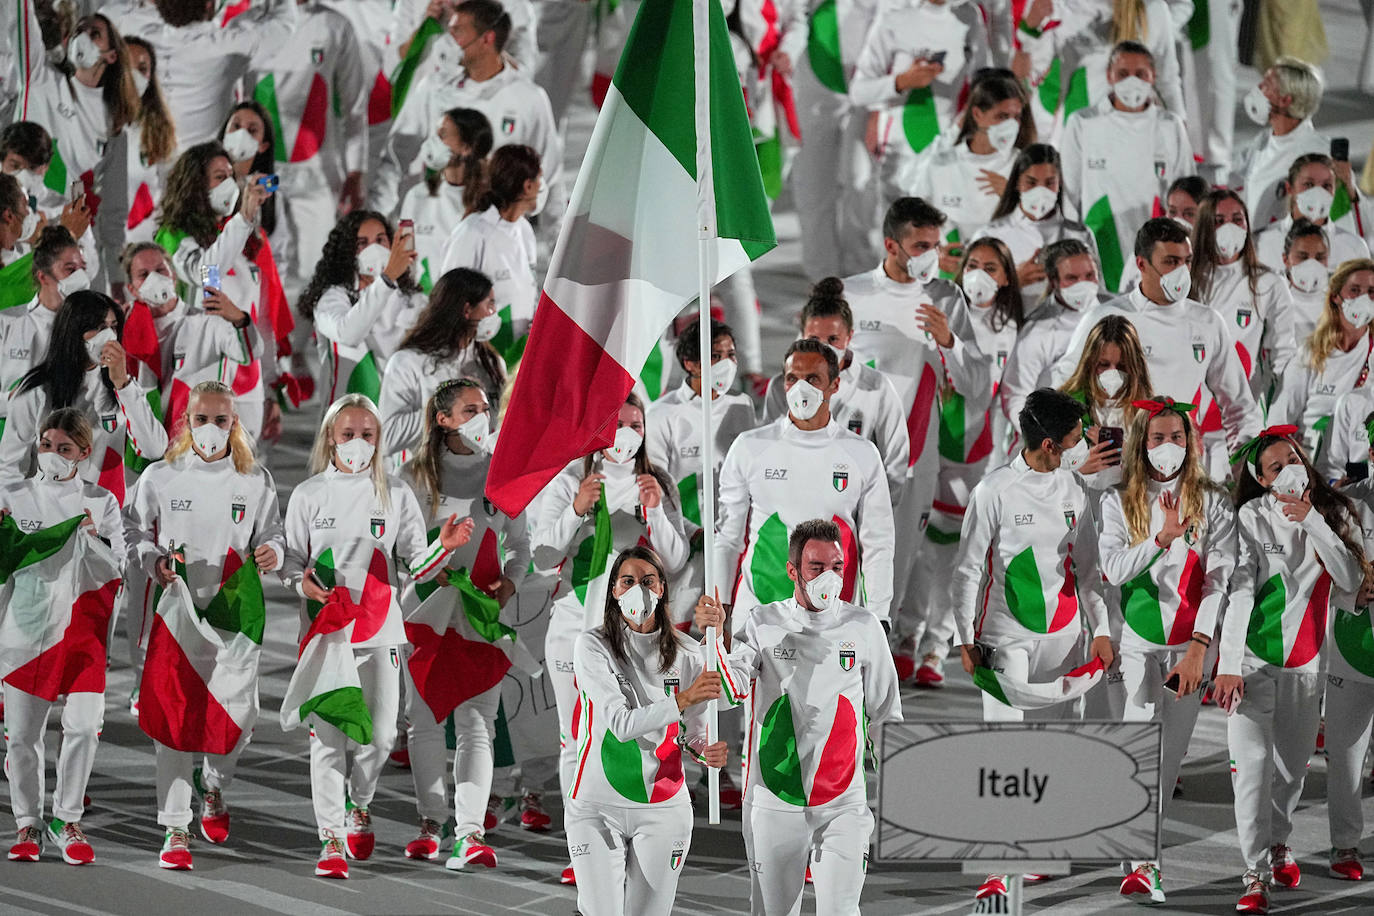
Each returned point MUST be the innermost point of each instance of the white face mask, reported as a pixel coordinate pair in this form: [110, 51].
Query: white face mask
[824, 591]
[1080, 295]
[434, 153]
[1076, 457]
[1290, 481]
[224, 196]
[1309, 276]
[804, 399]
[1003, 134]
[1111, 381]
[1176, 283]
[1187, 226]
[157, 289]
[1358, 311]
[240, 145]
[1315, 203]
[82, 51]
[1133, 92]
[97, 343]
[488, 327]
[475, 432]
[355, 454]
[1256, 106]
[839, 354]
[541, 197]
[30, 223]
[1230, 240]
[723, 375]
[626, 445]
[54, 467]
[29, 180]
[979, 286]
[140, 82]
[1039, 202]
[637, 604]
[209, 439]
[373, 259]
[74, 282]
[922, 267]
[1167, 458]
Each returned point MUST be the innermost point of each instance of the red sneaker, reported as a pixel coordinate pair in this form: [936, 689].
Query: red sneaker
[994, 886]
[731, 798]
[931, 674]
[471, 850]
[1144, 880]
[426, 845]
[1345, 864]
[27, 846]
[361, 839]
[176, 850]
[332, 863]
[1284, 867]
[69, 837]
[532, 816]
[1256, 896]
[809, 879]
[214, 816]
[400, 758]
[569, 876]
[906, 665]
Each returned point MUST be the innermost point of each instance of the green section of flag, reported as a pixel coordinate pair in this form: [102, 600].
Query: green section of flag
[689, 498]
[1140, 607]
[343, 708]
[594, 553]
[404, 74]
[985, 679]
[1355, 639]
[505, 341]
[365, 379]
[779, 762]
[920, 121]
[652, 374]
[1101, 222]
[769, 152]
[238, 606]
[132, 459]
[951, 430]
[324, 571]
[768, 566]
[624, 768]
[17, 285]
[1340, 202]
[18, 550]
[823, 48]
[1077, 97]
[265, 94]
[1200, 26]
[482, 611]
[1049, 88]
[55, 178]
[1025, 593]
[1264, 636]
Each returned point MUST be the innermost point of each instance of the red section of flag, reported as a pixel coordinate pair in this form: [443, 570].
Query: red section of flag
[140, 341]
[486, 566]
[233, 10]
[142, 207]
[835, 771]
[1190, 598]
[112, 474]
[448, 669]
[601, 84]
[76, 664]
[375, 605]
[379, 101]
[175, 414]
[918, 421]
[310, 135]
[668, 778]
[176, 707]
[1067, 607]
[851, 559]
[272, 296]
[1308, 641]
[782, 89]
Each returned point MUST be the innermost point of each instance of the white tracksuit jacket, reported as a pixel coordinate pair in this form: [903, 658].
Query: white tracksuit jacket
[25, 331]
[672, 436]
[1345, 245]
[435, 219]
[1346, 439]
[1261, 167]
[1043, 338]
[505, 252]
[1025, 236]
[1307, 398]
[37, 502]
[411, 379]
[949, 180]
[357, 337]
[1261, 324]
[196, 347]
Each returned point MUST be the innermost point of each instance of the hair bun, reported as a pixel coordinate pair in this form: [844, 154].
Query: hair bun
[829, 288]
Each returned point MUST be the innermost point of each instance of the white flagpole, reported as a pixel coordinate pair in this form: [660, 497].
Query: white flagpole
[706, 223]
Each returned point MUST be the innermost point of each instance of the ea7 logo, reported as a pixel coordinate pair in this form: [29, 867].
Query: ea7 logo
[1273, 549]
[181, 505]
[775, 473]
[1097, 164]
[30, 524]
[563, 666]
[870, 325]
[1023, 518]
[689, 451]
[578, 849]
[781, 652]
[322, 523]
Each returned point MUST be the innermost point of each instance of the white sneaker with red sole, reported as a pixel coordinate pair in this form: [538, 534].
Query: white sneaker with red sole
[1145, 881]
[28, 845]
[176, 850]
[532, 816]
[214, 813]
[1284, 867]
[471, 850]
[71, 839]
[1256, 896]
[426, 845]
[931, 674]
[1345, 864]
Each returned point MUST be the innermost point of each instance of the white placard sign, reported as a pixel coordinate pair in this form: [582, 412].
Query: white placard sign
[961, 791]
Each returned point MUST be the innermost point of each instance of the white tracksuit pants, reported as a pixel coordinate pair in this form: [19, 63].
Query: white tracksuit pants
[1146, 700]
[562, 38]
[1034, 660]
[1270, 737]
[932, 619]
[565, 625]
[780, 845]
[628, 860]
[26, 721]
[474, 725]
[135, 605]
[329, 749]
[311, 210]
[1210, 91]
[175, 771]
[1349, 714]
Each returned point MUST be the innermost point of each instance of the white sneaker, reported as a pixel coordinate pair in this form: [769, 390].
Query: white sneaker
[471, 850]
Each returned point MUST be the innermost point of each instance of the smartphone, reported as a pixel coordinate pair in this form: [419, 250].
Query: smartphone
[1340, 149]
[1171, 685]
[78, 188]
[407, 225]
[987, 655]
[938, 57]
[209, 276]
[310, 574]
[269, 182]
[1357, 470]
[1116, 436]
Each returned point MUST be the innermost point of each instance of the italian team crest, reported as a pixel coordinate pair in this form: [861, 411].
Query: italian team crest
[317, 56]
[1199, 352]
[1243, 318]
[1001, 358]
[925, 518]
[670, 686]
[237, 511]
[508, 126]
[840, 479]
[1190, 535]
[108, 422]
[1161, 169]
[856, 425]
[676, 860]
[181, 360]
[846, 656]
[395, 657]
[1071, 518]
[378, 527]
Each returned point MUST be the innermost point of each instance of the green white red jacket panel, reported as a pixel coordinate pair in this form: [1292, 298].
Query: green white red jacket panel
[629, 732]
[1161, 597]
[818, 681]
[1276, 614]
[1307, 398]
[35, 503]
[1350, 634]
[1028, 557]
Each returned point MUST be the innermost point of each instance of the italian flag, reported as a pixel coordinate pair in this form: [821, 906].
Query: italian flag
[628, 254]
[461, 647]
[819, 776]
[197, 688]
[57, 591]
[17, 285]
[1282, 639]
[1040, 694]
[325, 684]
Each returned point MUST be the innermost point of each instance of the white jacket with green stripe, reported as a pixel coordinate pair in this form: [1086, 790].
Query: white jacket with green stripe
[1280, 591]
[626, 723]
[672, 435]
[1165, 595]
[1351, 636]
[1027, 565]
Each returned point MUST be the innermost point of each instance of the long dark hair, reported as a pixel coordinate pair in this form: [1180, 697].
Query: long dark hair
[642, 463]
[1205, 255]
[442, 331]
[338, 263]
[507, 171]
[475, 130]
[264, 162]
[186, 199]
[612, 627]
[116, 85]
[991, 87]
[1007, 305]
[157, 130]
[1035, 154]
[61, 372]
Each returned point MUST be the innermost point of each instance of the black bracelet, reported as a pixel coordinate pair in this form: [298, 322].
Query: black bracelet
[1205, 643]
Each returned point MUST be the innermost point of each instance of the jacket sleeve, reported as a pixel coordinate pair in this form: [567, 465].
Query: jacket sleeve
[558, 524]
[1025, 364]
[733, 515]
[189, 256]
[517, 547]
[110, 526]
[1121, 560]
[146, 433]
[19, 437]
[976, 538]
[299, 511]
[877, 535]
[1219, 561]
[882, 695]
[1088, 574]
[596, 677]
[1071, 171]
[666, 534]
[873, 85]
[969, 369]
[1280, 337]
[142, 508]
[1241, 601]
[1291, 402]
[351, 90]
[401, 405]
[349, 323]
[270, 532]
[239, 345]
[1342, 565]
[424, 558]
[1168, 81]
[889, 428]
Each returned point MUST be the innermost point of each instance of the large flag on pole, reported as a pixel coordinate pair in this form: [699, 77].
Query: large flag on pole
[627, 257]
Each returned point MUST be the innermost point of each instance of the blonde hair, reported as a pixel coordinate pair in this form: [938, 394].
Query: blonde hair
[427, 467]
[1114, 329]
[1135, 474]
[1303, 82]
[1326, 336]
[240, 448]
[322, 453]
[71, 421]
[1129, 21]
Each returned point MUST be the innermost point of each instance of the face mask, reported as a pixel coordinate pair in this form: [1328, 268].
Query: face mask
[1076, 457]
[637, 604]
[626, 445]
[157, 289]
[434, 153]
[475, 432]
[1308, 276]
[540, 198]
[1183, 222]
[98, 342]
[1167, 458]
[1080, 295]
[979, 286]
[824, 591]
[30, 224]
[1358, 311]
[74, 282]
[839, 354]
[1176, 283]
[723, 375]
[1133, 92]
[209, 439]
[488, 327]
[1230, 240]
[1111, 381]
[804, 399]
[140, 83]
[240, 145]
[373, 259]
[355, 454]
[922, 267]
[224, 196]
[1003, 134]
[1039, 201]
[1290, 481]
[1315, 203]
[30, 181]
[82, 52]
[1257, 106]
[54, 466]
